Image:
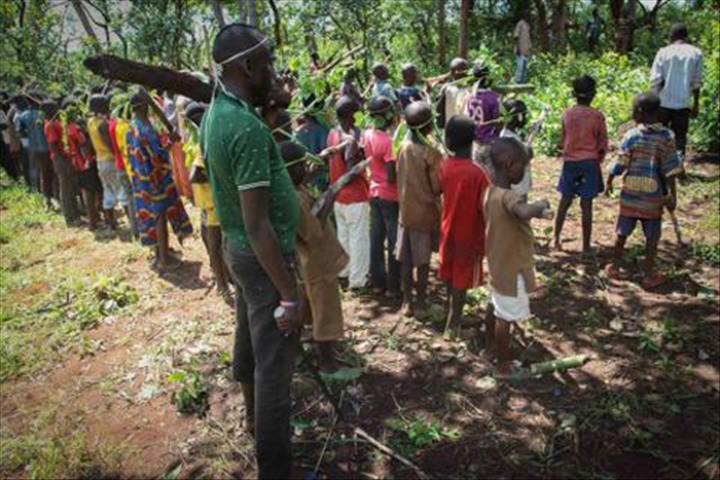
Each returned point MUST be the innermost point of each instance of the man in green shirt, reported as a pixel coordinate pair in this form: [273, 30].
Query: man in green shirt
[258, 212]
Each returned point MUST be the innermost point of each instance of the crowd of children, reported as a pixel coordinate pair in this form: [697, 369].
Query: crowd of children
[463, 194]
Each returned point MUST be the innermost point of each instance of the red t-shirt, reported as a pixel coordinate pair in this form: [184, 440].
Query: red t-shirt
[378, 148]
[462, 230]
[584, 134]
[77, 138]
[119, 164]
[54, 136]
[357, 190]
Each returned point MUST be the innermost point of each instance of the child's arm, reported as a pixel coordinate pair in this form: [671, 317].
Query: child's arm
[672, 200]
[391, 172]
[602, 140]
[526, 211]
[609, 185]
[434, 172]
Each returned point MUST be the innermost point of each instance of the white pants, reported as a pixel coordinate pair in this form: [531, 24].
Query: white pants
[353, 230]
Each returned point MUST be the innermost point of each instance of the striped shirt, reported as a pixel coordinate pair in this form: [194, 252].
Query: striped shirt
[676, 72]
[646, 159]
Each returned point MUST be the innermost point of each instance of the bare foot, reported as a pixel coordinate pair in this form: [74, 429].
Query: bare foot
[168, 265]
[227, 297]
[612, 272]
[406, 309]
[653, 280]
[557, 245]
[502, 371]
[250, 424]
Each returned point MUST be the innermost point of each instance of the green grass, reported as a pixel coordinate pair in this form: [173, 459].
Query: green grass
[52, 446]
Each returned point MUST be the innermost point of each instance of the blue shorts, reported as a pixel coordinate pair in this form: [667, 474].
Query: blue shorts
[652, 227]
[581, 179]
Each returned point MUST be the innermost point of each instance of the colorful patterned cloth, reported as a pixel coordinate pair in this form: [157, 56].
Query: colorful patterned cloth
[647, 158]
[154, 190]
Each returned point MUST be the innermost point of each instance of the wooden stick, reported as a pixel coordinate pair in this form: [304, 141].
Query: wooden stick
[389, 451]
[337, 61]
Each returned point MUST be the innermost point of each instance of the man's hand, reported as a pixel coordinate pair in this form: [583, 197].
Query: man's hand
[695, 111]
[289, 323]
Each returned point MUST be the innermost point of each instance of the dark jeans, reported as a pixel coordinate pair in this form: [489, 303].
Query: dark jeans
[45, 175]
[25, 166]
[263, 356]
[679, 122]
[384, 225]
[68, 190]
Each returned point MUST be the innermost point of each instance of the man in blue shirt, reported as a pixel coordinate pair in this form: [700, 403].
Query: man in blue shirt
[31, 123]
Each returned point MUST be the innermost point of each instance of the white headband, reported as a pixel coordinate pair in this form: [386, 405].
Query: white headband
[218, 66]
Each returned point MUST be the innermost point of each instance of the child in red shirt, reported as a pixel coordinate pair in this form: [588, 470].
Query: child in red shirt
[384, 207]
[352, 207]
[584, 144]
[462, 231]
[62, 162]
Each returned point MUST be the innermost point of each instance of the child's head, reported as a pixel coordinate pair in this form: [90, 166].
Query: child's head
[279, 121]
[460, 135]
[139, 105]
[345, 109]
[382, 112]
[194, 112]
[380, 71]
[293, 153]
[481, 72]
[509, 159]
[350, 75]
[584, 89]
[49, 108]
[517, 110]
[646, 108]
[458, 67]
[409, 74]
[419, 117]
[99, 104]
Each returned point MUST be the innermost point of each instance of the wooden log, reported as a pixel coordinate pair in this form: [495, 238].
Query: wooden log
[150, 76]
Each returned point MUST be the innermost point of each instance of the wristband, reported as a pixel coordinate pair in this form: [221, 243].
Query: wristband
[289, 304]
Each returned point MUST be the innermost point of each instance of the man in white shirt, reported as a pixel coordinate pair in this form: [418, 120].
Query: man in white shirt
[676, 76]
[523, 46]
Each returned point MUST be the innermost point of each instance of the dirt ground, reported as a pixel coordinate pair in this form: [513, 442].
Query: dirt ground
[645, 405]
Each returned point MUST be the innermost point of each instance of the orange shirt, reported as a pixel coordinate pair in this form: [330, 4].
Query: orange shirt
[584, 134]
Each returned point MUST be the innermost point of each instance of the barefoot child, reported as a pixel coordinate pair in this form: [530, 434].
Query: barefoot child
[649, 164]
[584, 143]
[321, 258]
[509, 246]
[419, 195]
[209, 224]
[462, 232]
[352, 207]
[384, 207]
[518, 119]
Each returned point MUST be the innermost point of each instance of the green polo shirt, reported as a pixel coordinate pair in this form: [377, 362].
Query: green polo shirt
[241, 154]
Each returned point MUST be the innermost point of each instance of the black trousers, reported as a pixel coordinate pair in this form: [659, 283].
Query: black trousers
[263, 356]
[679, 122]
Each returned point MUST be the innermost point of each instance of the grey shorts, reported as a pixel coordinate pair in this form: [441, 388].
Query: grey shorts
[414, 247]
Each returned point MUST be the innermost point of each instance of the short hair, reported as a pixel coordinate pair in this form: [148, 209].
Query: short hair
[507, 149]
[418, 114]
[678, 32]
[233, 39]
[584, 86]
[408, 68]
[459, 63]
[480, 70]
[380, 70]
[459, 132]
[379, 105]
[647, 102]
[99, 103]
[346, 106]
[48, 104]
[136, 100]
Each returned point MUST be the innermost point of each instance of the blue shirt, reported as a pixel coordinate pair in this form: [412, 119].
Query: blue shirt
[384, 89]
[408, 95]
[312, 136]
[32, 123]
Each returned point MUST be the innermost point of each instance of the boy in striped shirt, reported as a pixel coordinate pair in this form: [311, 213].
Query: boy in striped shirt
[648, 163]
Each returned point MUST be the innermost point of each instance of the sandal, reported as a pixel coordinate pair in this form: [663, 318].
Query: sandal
[612, 272]
[654, 280]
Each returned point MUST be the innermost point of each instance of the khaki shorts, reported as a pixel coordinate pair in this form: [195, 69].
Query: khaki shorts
[414, 247]
[324, 310]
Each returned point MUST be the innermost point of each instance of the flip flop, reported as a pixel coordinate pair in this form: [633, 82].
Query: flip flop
[611, 272]
[655, 280]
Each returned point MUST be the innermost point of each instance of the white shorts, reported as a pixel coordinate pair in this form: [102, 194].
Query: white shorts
[512, 309]
[113, 190]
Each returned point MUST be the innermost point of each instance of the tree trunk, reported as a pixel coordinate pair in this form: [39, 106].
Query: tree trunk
[442, 33]
[559, 19]
[541, 25]
[218, 12]
[252, 12]
[80, 11]
[464, 39]
[278, 24]
[153, 77]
